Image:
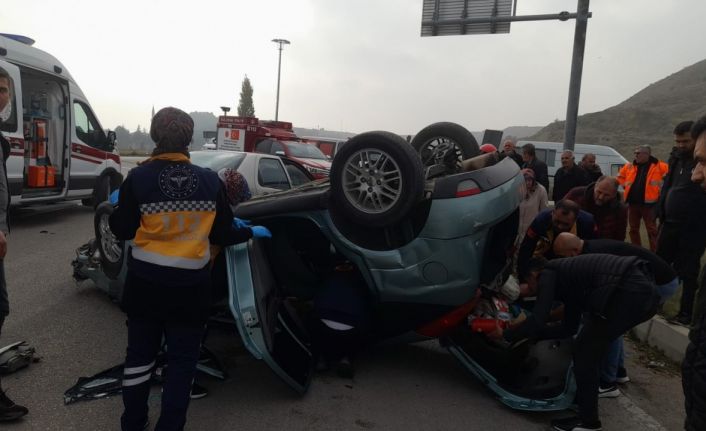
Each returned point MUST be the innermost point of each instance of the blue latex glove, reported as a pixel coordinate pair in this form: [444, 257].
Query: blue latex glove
[260, 232]
[113, 198]
[239, 223]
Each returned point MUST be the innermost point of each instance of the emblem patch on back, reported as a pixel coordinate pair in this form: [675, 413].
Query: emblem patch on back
[178, 181]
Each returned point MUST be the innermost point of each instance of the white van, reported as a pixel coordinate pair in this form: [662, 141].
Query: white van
[59, 151]
[609, 160]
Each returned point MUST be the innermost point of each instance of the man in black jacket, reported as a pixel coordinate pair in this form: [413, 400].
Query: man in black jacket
[173, 210]
[568, 245]
[682, 210]
[8, 409]
[568, 176]
[541, 174]
[608, 295]
[509, 151]
[694, 366]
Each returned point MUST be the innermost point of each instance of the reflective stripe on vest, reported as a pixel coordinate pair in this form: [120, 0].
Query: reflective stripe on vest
[175, 233]
[653, 182]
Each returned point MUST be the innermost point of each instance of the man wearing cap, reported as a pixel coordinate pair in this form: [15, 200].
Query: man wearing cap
[173, 211]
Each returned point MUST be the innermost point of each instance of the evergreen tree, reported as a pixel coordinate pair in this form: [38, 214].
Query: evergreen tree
[246, 108]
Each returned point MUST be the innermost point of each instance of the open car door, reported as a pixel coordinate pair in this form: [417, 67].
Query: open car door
[528, 376]
[269, 326]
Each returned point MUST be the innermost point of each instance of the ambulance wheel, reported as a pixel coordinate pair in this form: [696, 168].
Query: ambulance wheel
[109, 248]
[101, 192]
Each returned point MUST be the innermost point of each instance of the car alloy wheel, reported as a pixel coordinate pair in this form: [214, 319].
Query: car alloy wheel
[372, 181]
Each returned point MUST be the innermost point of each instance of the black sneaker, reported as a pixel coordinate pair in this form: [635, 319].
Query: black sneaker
[9, 411]
[622, 376]
[575, 424]
[198, 391]
[608, 390]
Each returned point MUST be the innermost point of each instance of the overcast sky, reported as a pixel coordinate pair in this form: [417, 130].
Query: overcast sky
[354, 65]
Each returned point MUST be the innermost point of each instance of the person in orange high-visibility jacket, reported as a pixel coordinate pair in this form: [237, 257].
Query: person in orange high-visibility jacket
[642, 183]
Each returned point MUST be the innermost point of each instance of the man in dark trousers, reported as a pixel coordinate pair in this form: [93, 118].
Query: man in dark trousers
[529, 157]
[568, 176]
[613, 367]
[173, 210]
[8, 409]
[682, 210]
[694, 366]
[602, 200]
[605, 296]
[642, 182]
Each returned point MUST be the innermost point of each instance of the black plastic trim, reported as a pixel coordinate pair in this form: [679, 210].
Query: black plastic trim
[486, 178]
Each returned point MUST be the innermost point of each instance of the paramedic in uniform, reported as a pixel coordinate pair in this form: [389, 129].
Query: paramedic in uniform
[173, 210]
[8, 409]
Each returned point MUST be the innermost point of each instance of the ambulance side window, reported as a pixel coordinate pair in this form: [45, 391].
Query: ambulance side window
[87, 129]
[8, 115]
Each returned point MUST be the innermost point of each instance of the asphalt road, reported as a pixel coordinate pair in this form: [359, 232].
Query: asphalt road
[77, 331]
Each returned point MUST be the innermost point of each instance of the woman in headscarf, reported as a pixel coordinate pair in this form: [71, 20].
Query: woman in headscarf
[535, 200]
[236, 186]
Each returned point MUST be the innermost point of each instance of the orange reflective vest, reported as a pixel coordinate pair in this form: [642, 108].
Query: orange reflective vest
[177, 203]
[653, 184]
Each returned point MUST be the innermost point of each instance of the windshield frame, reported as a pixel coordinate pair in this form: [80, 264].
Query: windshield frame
[310, 151]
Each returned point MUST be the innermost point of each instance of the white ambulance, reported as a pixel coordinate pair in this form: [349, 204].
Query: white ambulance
[59, 151]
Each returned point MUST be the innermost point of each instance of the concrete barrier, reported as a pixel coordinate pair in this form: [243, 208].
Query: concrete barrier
[671, 339]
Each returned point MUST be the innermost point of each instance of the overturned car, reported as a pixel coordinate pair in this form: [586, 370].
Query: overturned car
[429, 228]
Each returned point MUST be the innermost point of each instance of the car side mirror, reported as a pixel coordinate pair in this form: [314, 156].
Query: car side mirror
[112, 139]
[279, 153]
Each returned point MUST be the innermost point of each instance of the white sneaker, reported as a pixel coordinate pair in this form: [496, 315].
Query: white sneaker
[608, 390]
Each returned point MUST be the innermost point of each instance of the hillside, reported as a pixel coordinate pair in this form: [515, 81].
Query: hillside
[648, 117]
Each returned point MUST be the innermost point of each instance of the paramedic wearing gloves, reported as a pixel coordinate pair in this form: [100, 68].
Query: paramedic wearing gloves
[173, 210]
[608, 295]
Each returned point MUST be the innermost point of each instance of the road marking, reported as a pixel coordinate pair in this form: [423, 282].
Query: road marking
[638, 416]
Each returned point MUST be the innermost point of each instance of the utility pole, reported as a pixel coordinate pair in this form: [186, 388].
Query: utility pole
[572, 107]
[280, 42]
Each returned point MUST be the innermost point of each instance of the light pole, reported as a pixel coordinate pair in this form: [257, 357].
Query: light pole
[225, 110]
[280, 42]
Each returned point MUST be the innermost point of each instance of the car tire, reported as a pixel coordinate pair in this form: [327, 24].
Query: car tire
[376, 178]
[445, 144]
[109, 248]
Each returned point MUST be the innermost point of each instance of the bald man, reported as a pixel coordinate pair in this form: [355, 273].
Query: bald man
[613, 363]
[568, 245]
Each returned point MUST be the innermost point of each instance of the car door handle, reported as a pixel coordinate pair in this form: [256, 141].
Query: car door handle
[78, 149]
